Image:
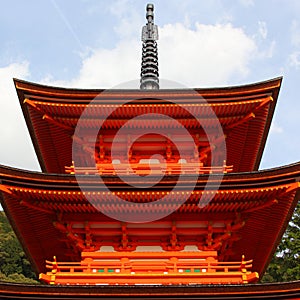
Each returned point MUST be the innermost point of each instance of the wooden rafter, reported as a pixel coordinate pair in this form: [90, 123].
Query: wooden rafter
[55, 122]
[68, 231]
[251, 115]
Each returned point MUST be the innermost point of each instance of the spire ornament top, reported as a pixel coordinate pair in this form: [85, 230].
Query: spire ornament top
[149, 71]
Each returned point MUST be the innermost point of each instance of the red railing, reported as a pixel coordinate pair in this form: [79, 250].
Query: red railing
[148, 267]
[144, 169]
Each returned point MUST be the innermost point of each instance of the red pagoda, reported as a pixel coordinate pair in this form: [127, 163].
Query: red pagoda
[211, 218]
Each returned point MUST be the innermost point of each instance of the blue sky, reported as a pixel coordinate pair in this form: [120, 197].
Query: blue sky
[94, 43]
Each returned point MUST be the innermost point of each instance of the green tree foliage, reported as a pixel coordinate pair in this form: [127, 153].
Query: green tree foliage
[285, 265]
[19, 278]
[14, 266]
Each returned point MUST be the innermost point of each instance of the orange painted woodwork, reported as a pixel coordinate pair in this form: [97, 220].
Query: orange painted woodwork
[245, 219]
[149, 267]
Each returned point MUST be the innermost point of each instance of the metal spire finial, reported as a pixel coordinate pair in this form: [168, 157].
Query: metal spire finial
[149, 71]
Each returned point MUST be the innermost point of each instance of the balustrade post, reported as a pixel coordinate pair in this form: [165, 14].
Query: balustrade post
[124, 261]
[174, 261]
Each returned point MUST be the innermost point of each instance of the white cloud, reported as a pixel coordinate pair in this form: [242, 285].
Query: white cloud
[275, 128]
[107, 68]
[295, 33]
[262, 29]
[16, 149]
[128, 19]
[268, 51]
[207, 55]
[247, 3]
[294, 59]
[266, 47]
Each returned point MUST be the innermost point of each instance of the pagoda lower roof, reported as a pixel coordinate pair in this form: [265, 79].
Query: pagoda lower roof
[244, 112]
[260, 202]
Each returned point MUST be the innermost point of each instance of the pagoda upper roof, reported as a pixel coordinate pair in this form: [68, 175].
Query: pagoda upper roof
[49, 212]
[244, 112]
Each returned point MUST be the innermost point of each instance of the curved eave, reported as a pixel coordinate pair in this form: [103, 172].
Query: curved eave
[52, 159]
[84, 96]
